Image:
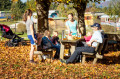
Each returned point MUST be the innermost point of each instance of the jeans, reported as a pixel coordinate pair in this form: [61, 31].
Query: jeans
[79, 51]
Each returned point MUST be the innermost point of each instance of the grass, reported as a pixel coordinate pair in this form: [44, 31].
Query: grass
[7, 23]
[23, 36]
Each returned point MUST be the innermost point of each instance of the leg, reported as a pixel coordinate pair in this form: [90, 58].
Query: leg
[32, 48]
[78, 51]
[31, 52]
[72, 49]
[57, 54]
[74, 55]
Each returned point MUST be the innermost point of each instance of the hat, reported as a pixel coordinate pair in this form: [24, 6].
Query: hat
[95, 25]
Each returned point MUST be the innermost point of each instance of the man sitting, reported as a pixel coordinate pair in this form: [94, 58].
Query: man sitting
[92, 44]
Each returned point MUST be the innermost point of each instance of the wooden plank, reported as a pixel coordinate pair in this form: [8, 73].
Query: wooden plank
[87, 53]
[38, 53]
[62, 51]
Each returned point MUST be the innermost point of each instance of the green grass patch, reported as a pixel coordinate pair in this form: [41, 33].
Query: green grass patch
[8, 23]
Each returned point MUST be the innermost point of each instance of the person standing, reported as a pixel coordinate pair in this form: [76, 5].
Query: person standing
[30, 32]
[71, 25]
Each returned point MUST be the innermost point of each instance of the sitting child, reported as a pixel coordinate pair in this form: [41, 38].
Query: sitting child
[88, 37]
[46, 44]
[55, 38]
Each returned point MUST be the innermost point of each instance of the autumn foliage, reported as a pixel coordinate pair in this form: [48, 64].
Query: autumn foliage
[14, 64]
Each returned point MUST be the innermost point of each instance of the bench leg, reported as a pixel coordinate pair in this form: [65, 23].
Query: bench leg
[83, 59]
[62, 51]
[95, 60]
[51, 55]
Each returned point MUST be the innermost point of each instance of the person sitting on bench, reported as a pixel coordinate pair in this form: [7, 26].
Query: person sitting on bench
[47, 44]
[92, 44]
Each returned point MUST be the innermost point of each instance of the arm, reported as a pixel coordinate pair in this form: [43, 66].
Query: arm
[32, 33]
[77, 28]
[96, 37]
[67, 27]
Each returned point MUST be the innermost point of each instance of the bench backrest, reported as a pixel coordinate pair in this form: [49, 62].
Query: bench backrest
[39, 40]
[101, 47]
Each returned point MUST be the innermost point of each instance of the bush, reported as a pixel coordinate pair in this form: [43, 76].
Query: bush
[21, 28]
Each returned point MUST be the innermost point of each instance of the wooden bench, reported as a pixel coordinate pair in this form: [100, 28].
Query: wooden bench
[99, 52]
[40, 52]
[44, 52]
[113, 41]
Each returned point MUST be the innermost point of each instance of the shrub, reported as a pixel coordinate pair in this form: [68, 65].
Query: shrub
[21, 27]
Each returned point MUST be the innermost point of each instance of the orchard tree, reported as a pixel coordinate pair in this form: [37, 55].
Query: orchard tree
[44, 5]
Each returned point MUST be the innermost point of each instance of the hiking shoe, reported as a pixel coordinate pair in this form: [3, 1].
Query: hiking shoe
[63, 61]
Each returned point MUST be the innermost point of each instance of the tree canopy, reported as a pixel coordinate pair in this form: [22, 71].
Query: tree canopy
[5, 5]
[44, 5]
[17, 9]
[113, 8]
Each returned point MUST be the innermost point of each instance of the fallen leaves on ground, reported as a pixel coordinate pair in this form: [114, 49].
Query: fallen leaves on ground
[14, 63]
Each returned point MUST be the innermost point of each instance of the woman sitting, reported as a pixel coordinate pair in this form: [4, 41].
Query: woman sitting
[47, 44]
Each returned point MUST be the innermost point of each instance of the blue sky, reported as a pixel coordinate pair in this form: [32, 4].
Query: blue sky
[23, 0]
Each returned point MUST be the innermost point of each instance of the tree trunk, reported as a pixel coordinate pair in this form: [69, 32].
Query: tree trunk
[81, 23]
[42, 12]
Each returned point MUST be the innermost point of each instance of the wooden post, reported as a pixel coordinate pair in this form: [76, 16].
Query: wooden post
[95, 60]
[15, 27]
[62, 34]
[62, 51]
[83, 59]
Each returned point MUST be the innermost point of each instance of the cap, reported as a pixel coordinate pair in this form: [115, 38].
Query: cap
[95, 25]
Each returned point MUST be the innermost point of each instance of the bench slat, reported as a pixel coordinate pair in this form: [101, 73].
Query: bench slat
[38, 53]
[87, 53]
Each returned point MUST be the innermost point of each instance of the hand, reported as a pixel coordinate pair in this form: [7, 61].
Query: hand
[35, 40]
[69, 34]
[79, 33]
[89, 43]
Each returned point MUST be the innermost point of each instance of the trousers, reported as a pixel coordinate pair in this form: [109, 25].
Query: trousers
[79, 51]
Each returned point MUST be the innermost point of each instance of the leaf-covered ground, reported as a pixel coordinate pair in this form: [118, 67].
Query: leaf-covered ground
[14, 63]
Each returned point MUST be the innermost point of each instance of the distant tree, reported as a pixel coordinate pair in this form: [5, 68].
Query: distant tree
[65, 9]
[31, 4]
[53, 6]
[17, 9]
[95, 9]
[61, 9]
[112, 10]
[5, 5]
